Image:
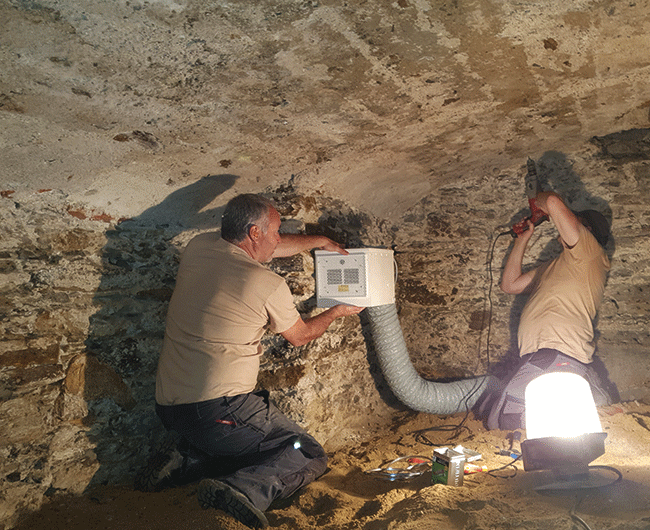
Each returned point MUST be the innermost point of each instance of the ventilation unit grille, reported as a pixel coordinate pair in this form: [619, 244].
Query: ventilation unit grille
[365, 277]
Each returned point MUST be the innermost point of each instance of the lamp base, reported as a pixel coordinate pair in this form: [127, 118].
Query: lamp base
[569, 454]
[591, 477]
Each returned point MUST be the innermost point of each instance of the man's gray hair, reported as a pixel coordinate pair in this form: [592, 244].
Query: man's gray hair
[241, 213]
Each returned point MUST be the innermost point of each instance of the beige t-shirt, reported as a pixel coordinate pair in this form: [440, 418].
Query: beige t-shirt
[222, 303]
[559, 313]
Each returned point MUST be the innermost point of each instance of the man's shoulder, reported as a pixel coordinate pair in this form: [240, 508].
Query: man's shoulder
[588, 245]
[212, 243]
[207, 238]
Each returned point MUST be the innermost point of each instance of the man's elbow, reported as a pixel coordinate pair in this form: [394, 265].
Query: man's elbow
[298, 335]
[553, 200]
[296, 342]
[295, 334]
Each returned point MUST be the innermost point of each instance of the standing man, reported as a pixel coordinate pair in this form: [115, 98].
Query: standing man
[556, 331]
[224, 300]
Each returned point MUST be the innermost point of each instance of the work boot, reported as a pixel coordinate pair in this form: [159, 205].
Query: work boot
[163, 468]
[215, 494]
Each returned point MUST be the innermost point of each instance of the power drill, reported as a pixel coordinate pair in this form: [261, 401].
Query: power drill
[537, 216]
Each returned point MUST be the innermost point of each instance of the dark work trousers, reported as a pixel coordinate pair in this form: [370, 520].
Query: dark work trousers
[273, 457]
[508, 407]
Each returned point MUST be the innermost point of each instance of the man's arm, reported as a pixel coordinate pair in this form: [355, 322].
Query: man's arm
[513, 281]
[291, 244]
[307, 330]
[567, 224]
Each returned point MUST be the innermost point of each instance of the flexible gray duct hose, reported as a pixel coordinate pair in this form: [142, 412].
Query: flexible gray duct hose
[405, 382]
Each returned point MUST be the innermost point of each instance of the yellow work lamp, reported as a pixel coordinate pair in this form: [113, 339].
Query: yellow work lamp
[563, 431]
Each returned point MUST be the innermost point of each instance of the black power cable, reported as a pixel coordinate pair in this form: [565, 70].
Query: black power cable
[455, 429]
[489, 260]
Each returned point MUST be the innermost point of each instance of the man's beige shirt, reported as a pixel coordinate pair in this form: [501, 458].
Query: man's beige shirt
[222, 304]
[559, 313]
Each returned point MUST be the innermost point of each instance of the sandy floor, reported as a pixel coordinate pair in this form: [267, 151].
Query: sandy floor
[117, 105]
[348, 497]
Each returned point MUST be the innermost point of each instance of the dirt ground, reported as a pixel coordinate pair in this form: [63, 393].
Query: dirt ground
[348, 497]
[118, 105]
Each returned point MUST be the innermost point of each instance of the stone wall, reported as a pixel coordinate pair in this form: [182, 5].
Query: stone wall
[84, 296]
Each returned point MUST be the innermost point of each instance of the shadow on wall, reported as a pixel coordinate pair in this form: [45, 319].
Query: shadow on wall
[555, 173]
[139, 264]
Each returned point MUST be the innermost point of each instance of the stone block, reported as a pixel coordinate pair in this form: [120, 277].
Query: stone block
[88, 377]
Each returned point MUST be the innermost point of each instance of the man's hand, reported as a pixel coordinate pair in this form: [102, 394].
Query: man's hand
[527, 234]
[513, 280]
[567, 224]
[304, 331]
[291, 244]
[333, 246]
[347, 310]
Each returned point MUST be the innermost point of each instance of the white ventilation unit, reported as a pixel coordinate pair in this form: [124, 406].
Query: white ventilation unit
[365, 277]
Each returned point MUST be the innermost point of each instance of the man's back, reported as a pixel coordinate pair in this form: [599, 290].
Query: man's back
[561, 309]
[222, 303]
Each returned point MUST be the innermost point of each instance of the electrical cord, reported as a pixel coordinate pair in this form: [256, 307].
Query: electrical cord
[511, 463]
[456, 429]
[416, 465]
[489, 260]
[619, 475]
[580, 497]
[575, 516]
